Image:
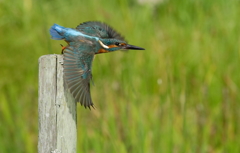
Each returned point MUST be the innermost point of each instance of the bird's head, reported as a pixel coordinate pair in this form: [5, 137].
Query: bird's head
[109, 45]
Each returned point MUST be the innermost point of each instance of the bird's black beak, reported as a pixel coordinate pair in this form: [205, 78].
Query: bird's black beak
[132, 47]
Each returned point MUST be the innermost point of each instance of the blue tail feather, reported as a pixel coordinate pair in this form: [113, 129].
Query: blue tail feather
[55, 32]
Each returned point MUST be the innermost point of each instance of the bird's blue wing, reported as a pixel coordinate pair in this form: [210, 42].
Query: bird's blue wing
[99, 29]
[77, 63]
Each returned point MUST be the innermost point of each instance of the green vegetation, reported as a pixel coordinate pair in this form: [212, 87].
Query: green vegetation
[179, 95]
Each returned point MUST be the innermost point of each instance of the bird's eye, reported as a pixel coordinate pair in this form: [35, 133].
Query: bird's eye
[117, 43]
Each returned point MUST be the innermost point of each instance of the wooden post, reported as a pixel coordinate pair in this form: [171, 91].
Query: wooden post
[56, 108]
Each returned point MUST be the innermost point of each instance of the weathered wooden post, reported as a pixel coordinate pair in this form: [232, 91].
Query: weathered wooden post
[56, 107]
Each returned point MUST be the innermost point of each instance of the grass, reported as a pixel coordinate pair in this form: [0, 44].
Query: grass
[179, 95]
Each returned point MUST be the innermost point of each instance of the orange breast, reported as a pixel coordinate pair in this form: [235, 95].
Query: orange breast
[102, 51]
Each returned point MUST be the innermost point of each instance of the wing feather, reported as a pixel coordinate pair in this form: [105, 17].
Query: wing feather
[99, 29]
[77, 73]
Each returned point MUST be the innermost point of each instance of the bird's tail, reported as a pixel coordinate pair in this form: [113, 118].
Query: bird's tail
[56, 32]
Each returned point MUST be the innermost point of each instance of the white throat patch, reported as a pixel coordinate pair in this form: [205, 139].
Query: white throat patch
[101, 43]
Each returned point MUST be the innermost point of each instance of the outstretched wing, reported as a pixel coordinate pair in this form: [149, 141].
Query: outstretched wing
[99, 29]
[77, 63]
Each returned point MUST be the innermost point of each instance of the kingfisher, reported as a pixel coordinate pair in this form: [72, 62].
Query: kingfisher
[83, 42]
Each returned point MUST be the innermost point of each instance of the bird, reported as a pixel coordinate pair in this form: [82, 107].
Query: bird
[83, 43]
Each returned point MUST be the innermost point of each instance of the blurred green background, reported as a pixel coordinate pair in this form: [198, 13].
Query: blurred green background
[180, 95]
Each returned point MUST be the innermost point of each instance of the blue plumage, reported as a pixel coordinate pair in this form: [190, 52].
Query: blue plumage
[84, 42]
[58, 33]
[55, 32]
